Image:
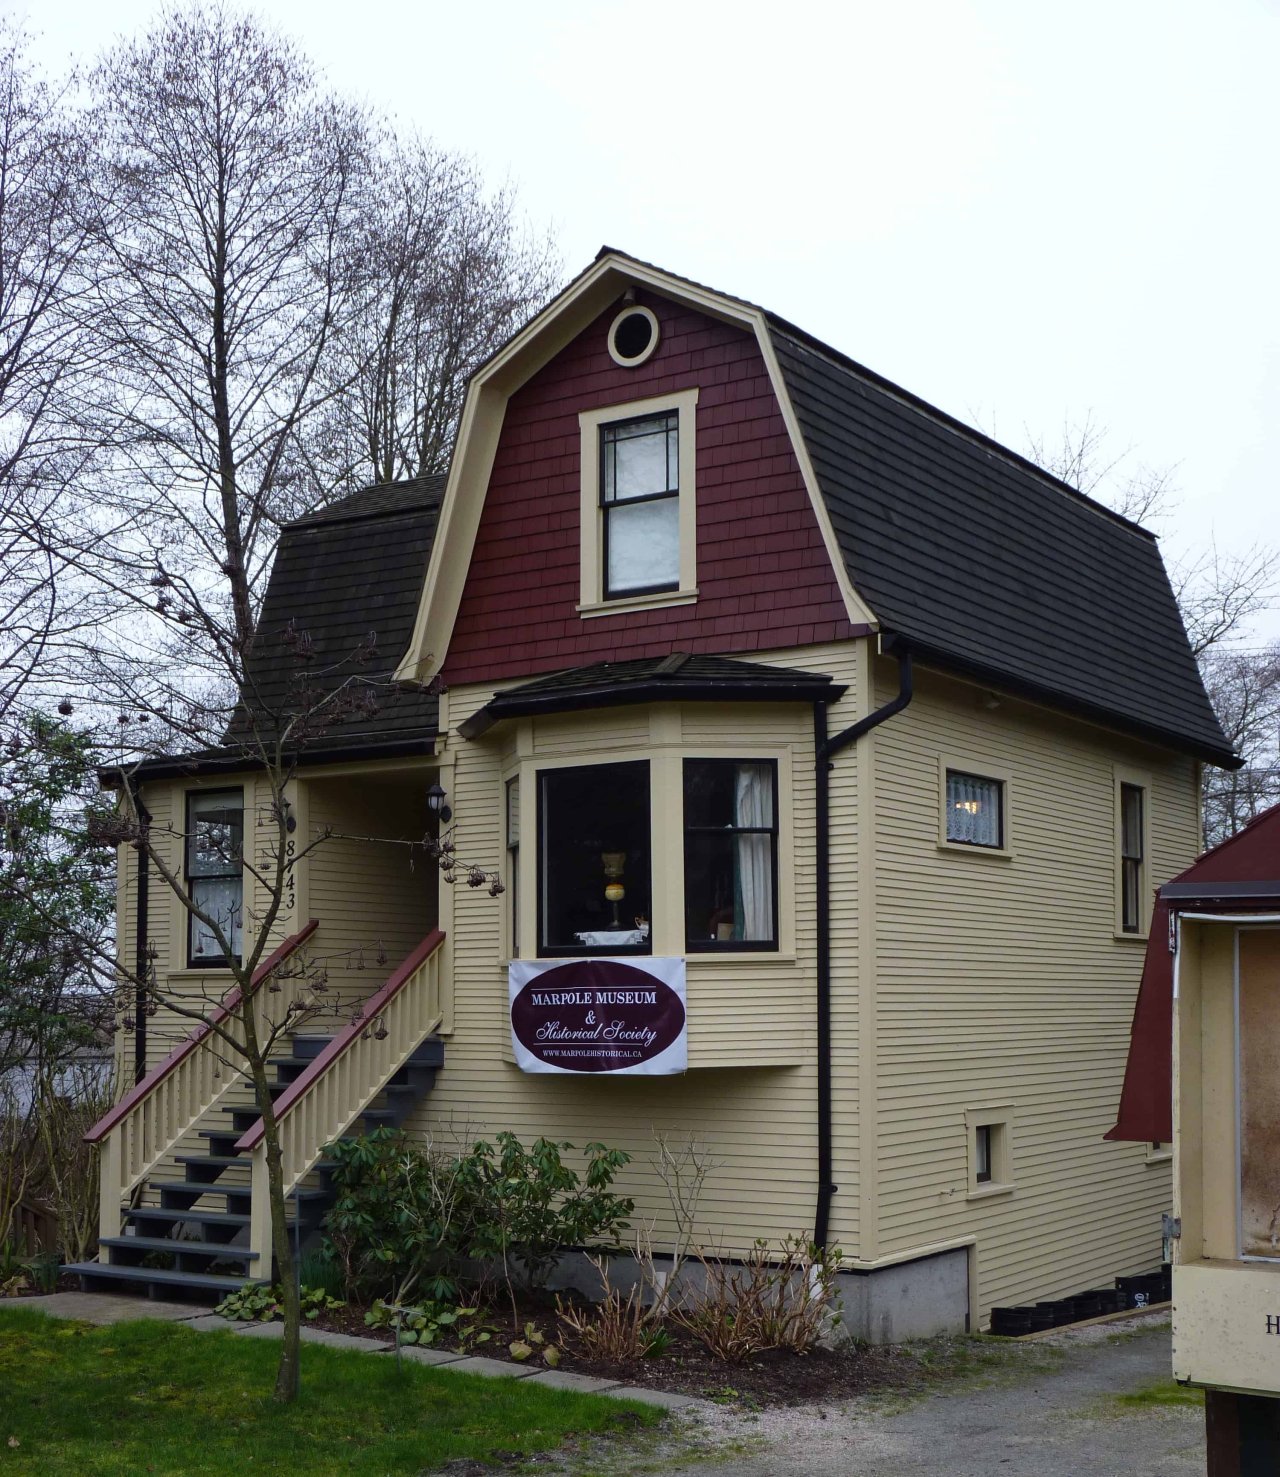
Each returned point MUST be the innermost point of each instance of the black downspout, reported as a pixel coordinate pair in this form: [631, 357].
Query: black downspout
[141, 960]
[824, 750]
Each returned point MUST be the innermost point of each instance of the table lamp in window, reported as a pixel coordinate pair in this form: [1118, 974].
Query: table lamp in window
[614, 863]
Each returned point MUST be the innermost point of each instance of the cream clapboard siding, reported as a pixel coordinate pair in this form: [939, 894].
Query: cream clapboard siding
[375, 897]
[1001, 982]
[757, 1121]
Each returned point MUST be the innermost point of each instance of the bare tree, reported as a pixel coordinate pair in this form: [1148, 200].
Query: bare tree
[1218, 595]
[1244, 687]
[223, 193]
[40, 237]
[453, 274]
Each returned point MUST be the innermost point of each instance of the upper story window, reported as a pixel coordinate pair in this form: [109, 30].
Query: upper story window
[640, 504]
[1132, 857]
[594, 863]
[975, 809]
[638, 512]
[730, 854]
[215, 878]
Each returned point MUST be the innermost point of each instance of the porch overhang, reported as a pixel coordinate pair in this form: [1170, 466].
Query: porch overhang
[678, 678]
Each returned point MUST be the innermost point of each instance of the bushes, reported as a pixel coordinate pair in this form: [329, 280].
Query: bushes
[408, 1217]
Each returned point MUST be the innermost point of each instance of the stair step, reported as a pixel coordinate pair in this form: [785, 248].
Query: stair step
[224, 1161]
[201, 1187]
[169, 1243]
[205, 1217]
[205, 1281]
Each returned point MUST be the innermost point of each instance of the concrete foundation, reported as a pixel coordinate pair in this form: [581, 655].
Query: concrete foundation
[911, 1300]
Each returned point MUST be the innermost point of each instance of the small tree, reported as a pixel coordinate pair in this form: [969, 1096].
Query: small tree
[1244, 687]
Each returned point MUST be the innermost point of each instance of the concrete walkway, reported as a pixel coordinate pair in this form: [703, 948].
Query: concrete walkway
[104, 1308]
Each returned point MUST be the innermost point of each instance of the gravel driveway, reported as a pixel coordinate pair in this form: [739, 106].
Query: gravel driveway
[1061, 1423]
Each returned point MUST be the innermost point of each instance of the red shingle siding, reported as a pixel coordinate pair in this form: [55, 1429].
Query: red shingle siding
[763, 573]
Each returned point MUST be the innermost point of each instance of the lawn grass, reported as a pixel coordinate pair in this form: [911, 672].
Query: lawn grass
[1160, 1396]
[160, 1398]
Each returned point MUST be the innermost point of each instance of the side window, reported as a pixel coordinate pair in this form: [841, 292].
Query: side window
[513, 861]
[215, 879]
[730, 854]
[990, 1132]
[640, 504]
[1133, 860]
[974, 810]
[594, 861]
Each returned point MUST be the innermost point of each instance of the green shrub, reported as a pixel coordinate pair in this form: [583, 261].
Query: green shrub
[407, 1218]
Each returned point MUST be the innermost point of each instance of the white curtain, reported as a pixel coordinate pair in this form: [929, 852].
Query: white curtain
[754, 807]
[973, 809]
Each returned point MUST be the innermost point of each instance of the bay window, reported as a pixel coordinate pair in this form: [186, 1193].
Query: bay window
[215, 879]
[730, 854]
[594, 863]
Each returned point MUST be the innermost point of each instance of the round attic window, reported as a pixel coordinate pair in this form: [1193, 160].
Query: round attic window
[633, 336]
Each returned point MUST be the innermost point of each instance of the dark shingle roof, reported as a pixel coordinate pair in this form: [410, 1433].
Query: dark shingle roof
[991, 567]
[679, 677]
[345, 576]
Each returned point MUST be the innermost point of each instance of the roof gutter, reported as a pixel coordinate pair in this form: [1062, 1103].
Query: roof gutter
[825, 748]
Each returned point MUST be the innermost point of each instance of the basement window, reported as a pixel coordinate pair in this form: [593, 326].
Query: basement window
[215, 877]
[990, 1133]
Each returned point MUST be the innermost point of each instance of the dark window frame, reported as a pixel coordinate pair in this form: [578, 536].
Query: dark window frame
[984, 1137]
[1001, 806]
[209, 961]
[1132, 862]
[770, 945]
[584, 951]
[513, 863]
[606, 504]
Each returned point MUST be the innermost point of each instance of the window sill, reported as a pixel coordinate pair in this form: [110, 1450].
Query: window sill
[1165, 1158]
[200, 972]
[589, 610]
[958, 848]
[1131, 938]
[991, 1192]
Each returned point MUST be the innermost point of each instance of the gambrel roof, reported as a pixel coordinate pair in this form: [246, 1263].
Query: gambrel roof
[989, 566]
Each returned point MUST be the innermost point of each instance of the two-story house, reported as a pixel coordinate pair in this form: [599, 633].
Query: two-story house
[755, 674]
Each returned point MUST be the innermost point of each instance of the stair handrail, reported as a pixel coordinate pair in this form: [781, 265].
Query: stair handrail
[344, 1079]
[142, 1090]
[156, 1114]
[356, 1030]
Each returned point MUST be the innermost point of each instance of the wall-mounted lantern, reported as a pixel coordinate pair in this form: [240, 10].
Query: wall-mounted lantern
[437, 798]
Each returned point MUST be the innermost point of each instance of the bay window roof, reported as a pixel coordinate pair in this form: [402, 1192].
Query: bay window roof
[678, 677]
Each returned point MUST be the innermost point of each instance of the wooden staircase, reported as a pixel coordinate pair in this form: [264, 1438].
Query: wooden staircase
[195, 1226]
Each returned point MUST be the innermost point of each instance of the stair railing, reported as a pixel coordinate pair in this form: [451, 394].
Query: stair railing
[321, 1104]
[158, 1112]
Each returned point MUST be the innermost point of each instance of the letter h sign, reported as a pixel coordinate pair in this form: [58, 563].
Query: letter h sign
[1273, 1323]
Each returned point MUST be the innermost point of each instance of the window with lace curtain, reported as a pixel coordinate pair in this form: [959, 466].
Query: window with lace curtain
[730, 854]
[215, 879]
[975, 810]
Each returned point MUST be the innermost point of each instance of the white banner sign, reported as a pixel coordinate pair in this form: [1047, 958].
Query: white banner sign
[599, 1015]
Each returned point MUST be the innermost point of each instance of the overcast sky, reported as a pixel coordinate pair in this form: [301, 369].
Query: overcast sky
[1025, 212]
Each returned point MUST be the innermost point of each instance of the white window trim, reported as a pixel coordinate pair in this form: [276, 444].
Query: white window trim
[999, 1118]
[980, 769]
[647, 352]
[666, 841]
[1142, 780]
[591, 595]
